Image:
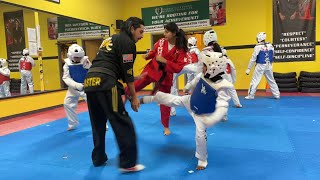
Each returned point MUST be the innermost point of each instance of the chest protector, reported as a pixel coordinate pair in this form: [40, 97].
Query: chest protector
[78, 73]
[4, 78]
[25, 65]
[203, 98]
[192, 57]
[228, 69]
[265, 55]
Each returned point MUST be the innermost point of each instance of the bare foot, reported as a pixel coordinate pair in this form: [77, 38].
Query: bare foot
[225, 119]
[200, 167]
[238, 106]
[70, 129]
[166, 131]
[202, 164]
[173, 113]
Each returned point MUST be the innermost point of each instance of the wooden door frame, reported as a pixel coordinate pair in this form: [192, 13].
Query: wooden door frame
[89, 39]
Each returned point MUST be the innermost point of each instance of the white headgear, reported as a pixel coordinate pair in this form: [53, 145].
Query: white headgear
[192, 41]
[25, 52]
[215, 62]
[210, 36]
[75, 51]
[3, 63]
[261, 36]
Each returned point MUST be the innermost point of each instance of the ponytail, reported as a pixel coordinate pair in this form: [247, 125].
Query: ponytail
[215, 47]
[181, 42]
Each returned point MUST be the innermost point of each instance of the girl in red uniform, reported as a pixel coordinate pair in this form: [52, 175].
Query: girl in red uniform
[167, 57]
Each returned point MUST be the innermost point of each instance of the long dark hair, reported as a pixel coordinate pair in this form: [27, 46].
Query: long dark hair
[215, 47]
[181, 41]
[135, 22]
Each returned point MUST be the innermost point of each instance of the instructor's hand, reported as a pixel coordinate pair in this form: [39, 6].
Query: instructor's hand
[135, 104]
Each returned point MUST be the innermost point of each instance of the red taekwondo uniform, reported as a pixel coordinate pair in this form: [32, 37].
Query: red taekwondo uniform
[160, 73]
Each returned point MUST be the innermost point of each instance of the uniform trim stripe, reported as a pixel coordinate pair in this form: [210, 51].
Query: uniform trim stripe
[114, 91]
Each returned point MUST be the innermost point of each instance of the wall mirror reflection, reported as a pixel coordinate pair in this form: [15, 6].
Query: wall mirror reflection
[34, 45]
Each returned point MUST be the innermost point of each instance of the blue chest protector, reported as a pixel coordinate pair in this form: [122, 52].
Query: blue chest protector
[264, 56]
[203, 98]
[78, 73]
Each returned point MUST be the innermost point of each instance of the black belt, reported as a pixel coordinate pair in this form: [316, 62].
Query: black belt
[157, 84]
[102, 70]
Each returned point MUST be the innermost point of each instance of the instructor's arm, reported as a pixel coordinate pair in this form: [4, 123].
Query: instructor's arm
[135, 104]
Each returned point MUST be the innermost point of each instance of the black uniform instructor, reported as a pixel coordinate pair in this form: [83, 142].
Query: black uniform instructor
[114, 62]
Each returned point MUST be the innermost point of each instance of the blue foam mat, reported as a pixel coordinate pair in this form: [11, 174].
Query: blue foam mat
[266, 139]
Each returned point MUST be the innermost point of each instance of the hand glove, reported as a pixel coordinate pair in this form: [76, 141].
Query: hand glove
[247, 71]
[79, 87]
[86, 62]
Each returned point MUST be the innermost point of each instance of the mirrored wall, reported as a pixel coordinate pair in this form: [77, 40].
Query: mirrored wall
[47, 38]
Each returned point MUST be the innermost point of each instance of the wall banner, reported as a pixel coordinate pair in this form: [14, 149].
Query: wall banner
[15, 39]
[186, 15]
[72, 28]
[294, 30]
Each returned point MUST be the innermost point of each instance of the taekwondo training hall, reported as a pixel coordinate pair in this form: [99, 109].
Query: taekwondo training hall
[154, 89]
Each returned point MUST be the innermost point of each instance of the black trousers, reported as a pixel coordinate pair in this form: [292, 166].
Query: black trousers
[104, 105]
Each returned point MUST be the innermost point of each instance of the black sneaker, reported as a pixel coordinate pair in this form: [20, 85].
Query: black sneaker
[100, 163]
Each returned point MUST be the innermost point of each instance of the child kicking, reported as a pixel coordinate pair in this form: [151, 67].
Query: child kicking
[208, 103]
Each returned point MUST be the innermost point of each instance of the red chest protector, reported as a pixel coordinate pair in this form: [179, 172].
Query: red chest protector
[25, 65]
[4, 78]
[228, 69]
[192, 56]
